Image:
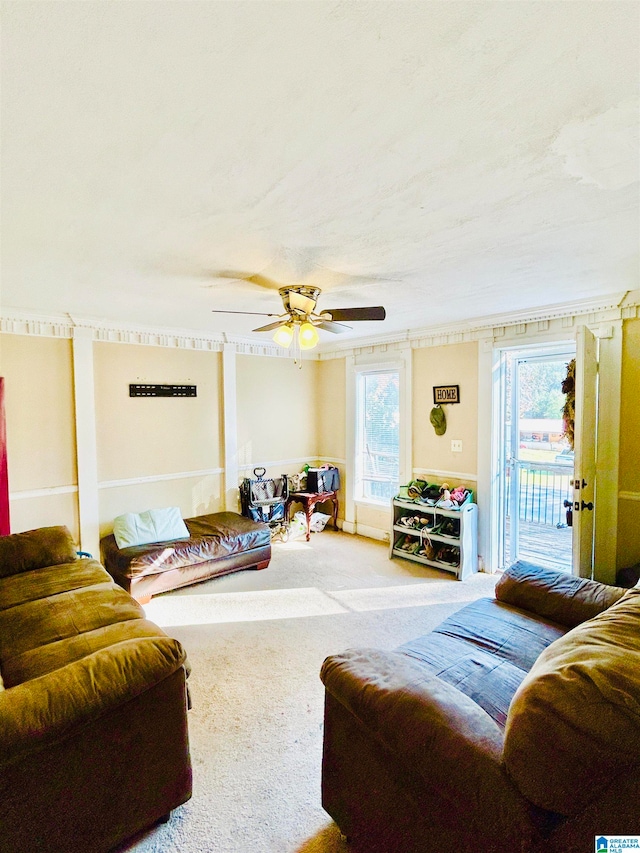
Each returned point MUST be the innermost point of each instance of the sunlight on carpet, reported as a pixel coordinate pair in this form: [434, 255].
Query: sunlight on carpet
[215, 608]
[417, 595]
[169, 612]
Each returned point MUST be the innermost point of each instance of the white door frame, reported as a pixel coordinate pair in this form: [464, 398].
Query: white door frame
[606, 519]
[522, 353]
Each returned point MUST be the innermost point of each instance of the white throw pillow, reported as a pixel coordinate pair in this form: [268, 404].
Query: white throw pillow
[154, 525]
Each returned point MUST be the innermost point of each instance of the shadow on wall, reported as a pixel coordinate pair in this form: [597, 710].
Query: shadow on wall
[245, 455]
[206, 496]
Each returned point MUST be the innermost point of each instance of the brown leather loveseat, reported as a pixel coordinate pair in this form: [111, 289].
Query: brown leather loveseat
[93, 708]
[514, 726]
[218, 543]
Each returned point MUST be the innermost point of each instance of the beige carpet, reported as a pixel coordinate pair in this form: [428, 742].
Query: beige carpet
[256, 641]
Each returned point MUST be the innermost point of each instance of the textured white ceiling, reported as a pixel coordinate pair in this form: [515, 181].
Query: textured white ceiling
[449, 160]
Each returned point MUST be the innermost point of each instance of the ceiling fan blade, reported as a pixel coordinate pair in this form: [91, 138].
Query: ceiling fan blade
[373, 313]
[270, 326]
[253, 313]
[330, 326]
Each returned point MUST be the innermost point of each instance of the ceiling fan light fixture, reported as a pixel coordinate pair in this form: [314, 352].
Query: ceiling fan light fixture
[308, 336]
[284, 335]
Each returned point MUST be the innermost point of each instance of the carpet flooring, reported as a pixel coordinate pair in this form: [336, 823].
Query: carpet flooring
[256, 641]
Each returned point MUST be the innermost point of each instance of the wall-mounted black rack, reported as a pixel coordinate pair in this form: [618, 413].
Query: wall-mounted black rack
[162, 390]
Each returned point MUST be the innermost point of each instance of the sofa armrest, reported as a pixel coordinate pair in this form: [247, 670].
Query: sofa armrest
[435, 731]
[47, 709]
[557, 596]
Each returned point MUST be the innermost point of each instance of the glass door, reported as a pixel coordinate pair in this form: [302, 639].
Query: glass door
[536, 470]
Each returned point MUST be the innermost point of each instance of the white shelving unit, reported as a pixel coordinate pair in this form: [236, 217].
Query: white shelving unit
[448, 533]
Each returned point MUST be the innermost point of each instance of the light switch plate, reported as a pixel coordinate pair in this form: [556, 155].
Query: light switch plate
[456, 445]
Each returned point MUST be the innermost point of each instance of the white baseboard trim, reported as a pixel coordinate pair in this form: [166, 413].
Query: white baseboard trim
[155, 478]
[43, 493]
[372, 532]
[334, 460]
[629, 496]
[365, 530]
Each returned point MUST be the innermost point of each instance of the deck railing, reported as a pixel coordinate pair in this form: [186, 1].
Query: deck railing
[543, 488]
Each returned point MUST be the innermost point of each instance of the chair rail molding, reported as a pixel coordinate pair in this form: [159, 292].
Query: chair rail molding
[445, 475]
[157, 478]
[48, 492]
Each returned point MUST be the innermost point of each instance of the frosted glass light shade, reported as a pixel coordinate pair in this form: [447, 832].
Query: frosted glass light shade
[308, 336]
[283, 336]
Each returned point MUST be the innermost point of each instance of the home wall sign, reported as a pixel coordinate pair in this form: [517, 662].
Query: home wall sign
[162, 390]
[446, 394]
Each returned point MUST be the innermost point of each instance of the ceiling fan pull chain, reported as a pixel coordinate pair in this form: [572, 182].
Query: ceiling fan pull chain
[297, 352]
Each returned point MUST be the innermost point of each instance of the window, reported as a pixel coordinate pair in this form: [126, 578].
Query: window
[378, 436]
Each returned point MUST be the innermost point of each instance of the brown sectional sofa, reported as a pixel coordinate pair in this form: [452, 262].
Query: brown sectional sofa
[218, 543]
[514, 726]
[93, 704]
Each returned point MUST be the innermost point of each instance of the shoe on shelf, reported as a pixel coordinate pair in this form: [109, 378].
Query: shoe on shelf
[410, 544]
[450, 527]
[450, 555]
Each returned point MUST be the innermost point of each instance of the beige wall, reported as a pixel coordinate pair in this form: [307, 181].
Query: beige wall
[331, 413]
[141, 437]
[148, 450]
[276, 413]
[194, 495]
[331, 396]
[282, 414]
[629, 475]
[455, 364]
[41, 445]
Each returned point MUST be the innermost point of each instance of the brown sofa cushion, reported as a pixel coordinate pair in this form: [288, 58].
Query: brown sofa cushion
[50, 580]
[38, 661]
[574, 722]
[485, 650]
[553, 595]
[36, 624]
[33, 549]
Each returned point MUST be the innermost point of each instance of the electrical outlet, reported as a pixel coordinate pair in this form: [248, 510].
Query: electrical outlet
[456, 445]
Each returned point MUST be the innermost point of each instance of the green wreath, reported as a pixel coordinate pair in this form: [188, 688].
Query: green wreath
[569, 408]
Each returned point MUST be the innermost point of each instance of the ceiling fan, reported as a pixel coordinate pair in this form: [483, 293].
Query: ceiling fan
[299, 301]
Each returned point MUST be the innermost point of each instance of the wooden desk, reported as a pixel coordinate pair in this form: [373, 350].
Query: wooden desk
[309, 501]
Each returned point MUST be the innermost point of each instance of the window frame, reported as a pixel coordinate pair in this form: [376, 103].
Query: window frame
[375, 362]
[358, 482]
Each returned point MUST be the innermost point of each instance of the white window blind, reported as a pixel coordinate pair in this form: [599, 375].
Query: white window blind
[378, 436]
